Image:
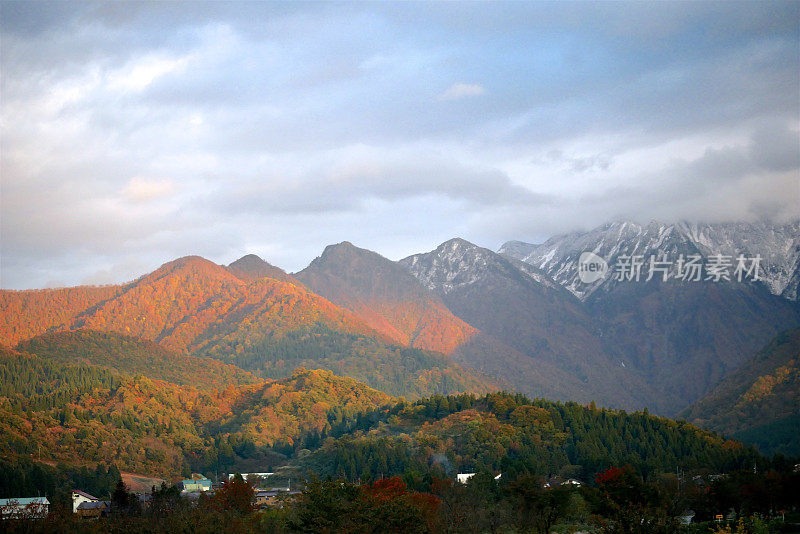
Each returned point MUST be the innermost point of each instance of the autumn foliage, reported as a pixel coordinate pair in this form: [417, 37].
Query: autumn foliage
[265, 324]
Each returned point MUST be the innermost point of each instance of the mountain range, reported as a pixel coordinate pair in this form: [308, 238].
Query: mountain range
[460, 318]
[680, 336]
[777, 244]
[265, 325]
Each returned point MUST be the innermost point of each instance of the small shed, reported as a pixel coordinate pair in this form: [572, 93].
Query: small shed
[93, 509]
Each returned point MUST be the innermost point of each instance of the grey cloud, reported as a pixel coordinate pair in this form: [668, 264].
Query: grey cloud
[579, 164]
[736, 182]
[293, 125]
[346, 179]
[776, 147]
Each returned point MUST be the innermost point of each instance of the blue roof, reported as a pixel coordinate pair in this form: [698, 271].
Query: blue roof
[24, 501]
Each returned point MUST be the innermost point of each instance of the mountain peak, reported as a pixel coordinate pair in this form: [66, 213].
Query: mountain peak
[248, 259]
[190, 260]
[251, 267]
[456, 263]
[341, 248]
[457, 243]
[357, 267]
[346, 253]
[190, 266]
[386, 296]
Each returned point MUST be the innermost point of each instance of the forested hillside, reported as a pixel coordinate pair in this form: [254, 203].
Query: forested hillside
[82, 414]
[24, 314]
[251, 315]
[760, 401]
[132, 356]
[513, 435]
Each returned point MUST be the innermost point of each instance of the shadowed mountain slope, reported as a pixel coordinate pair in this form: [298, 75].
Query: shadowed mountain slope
[681, 336]
[525, 309]
[759, 402]
[133, 356]
[386, 297]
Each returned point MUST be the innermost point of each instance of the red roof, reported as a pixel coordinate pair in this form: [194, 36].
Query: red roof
[83, 493]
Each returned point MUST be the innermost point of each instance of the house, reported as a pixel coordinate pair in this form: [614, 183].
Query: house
[24, 508]
[247, 475]
[265, 498]
[79, 497]
[463, 477]
[93, 509]
[686, 517]
[145, 499]
[197, 483]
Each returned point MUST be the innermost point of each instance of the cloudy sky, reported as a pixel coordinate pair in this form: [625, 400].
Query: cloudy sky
[135, 133]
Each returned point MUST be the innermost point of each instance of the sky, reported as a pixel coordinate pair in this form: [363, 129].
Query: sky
[135, 133]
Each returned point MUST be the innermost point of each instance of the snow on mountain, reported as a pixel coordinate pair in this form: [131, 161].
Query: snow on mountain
[777, 245]
[458, 263]
[557, 349]
[517, 249]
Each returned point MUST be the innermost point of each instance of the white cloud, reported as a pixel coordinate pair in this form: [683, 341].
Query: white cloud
[462, 90]
[219, 129]
[140, 73]
[140, 189]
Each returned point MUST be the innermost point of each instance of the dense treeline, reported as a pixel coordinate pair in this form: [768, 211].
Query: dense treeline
[775, 437]
[34, 383]
[25, 478]
[333, 426]
[514, 435]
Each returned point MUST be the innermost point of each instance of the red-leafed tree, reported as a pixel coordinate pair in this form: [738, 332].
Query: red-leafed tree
[235, 494]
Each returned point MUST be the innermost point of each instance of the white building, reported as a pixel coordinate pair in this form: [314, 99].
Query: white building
[245, 475]
[79, 497]
[463, 477]
[24, 508]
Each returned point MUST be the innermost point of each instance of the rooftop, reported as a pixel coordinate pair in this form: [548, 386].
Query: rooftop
[84, 494]
[24, 501]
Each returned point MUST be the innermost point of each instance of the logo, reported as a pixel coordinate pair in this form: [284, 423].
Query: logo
[591, 267]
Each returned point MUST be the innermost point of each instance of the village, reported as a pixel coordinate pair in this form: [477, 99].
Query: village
[192, 490]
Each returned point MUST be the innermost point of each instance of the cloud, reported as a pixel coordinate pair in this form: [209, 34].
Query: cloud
[142, 72]
[134, 134]
[140, 189]
[462, 90]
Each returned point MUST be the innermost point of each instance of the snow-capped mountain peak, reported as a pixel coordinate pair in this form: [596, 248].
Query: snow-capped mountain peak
[777, 245]
[457, 263]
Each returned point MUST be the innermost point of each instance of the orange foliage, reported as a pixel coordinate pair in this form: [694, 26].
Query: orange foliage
[24, 314]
